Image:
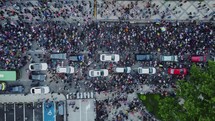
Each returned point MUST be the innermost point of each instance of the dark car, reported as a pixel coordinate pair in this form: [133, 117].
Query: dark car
[143, 57]
[17, 89]
[37, 76]
[76, 58]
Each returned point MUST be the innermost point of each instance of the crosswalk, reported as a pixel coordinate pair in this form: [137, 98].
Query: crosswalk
[80, 95]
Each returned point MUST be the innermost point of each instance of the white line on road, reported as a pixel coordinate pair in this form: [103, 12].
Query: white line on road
[80, 109]
[23, 112]
[5, 112]
[33, 113]
[54, 110]
[43, 110]
[14, 110]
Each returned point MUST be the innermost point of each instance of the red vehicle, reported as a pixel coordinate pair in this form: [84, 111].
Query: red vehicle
[198, 58]
[177, 71]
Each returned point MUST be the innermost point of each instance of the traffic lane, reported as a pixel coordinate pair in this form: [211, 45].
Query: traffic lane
[58, 116]
[10, 112]
[38, 111]
[2, 118]
[19, 112]
[29, 112]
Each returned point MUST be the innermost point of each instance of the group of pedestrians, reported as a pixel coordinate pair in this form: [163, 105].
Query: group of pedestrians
[125, 39]
[146, 10]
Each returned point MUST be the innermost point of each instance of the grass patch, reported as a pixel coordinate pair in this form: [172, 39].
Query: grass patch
[151, 102]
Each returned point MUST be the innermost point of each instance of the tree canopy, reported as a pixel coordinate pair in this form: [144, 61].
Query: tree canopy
[197, 95]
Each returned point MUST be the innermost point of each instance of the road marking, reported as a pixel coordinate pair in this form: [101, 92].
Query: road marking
[14, 110]
[80, 108]
[33, 112]
[43, 110]
[23, 112]
[5, 112]
[54, 110]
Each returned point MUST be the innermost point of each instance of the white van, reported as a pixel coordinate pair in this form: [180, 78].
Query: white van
[146, 70]
[123, 70]
[67, 69]
[173, 58]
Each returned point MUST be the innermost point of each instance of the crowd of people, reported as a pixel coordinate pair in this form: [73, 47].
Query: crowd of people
[119, 107]
[137, 10]
[123, 38]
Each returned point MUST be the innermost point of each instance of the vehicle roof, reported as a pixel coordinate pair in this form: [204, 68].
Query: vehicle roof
[77, 57]
[143, 56]
[39, 77]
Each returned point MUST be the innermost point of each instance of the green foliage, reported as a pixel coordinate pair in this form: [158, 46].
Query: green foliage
[194, 108]
[196, 97]
[151, 102]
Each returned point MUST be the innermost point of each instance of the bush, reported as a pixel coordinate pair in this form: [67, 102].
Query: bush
[151, 102]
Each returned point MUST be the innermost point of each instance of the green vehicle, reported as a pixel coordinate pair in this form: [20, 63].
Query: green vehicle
[8, 76]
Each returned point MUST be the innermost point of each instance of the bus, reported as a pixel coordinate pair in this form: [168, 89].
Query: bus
[8, 76]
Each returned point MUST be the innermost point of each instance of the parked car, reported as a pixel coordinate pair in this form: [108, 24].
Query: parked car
[76, 58]
[67, 69]
[109, 57]
[38, 77]
[98, 73]
[123, 70]
[40, 90]
[143, 57]
[3, 86]
[60, 56]
[198, 58]
[146, 70]
[171, 58]
[38, 66]
[17, 89]
[177, 71]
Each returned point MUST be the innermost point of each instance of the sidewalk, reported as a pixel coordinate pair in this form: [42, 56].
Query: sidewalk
[106, 95]
[13, 98]
[155, 10]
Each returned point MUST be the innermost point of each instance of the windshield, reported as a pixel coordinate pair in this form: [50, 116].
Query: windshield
[42, 90]
[102, 73]
[140, 70]
[181, 71]
[112, 57]
[171, 71]
[125, 69]
[32, 90]
[202, 58]
[150, 70]
[32, 67]
[92, 73]
[68, 70]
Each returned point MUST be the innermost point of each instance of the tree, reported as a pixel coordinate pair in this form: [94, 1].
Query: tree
[198, 95]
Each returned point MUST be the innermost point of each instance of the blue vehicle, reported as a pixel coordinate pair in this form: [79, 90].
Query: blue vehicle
[76, 58]
[143, 57]
[17, 89]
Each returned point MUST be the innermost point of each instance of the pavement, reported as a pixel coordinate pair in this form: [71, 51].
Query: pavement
[85, 107]
[85, 111]
[174, 10]
[15, 98]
